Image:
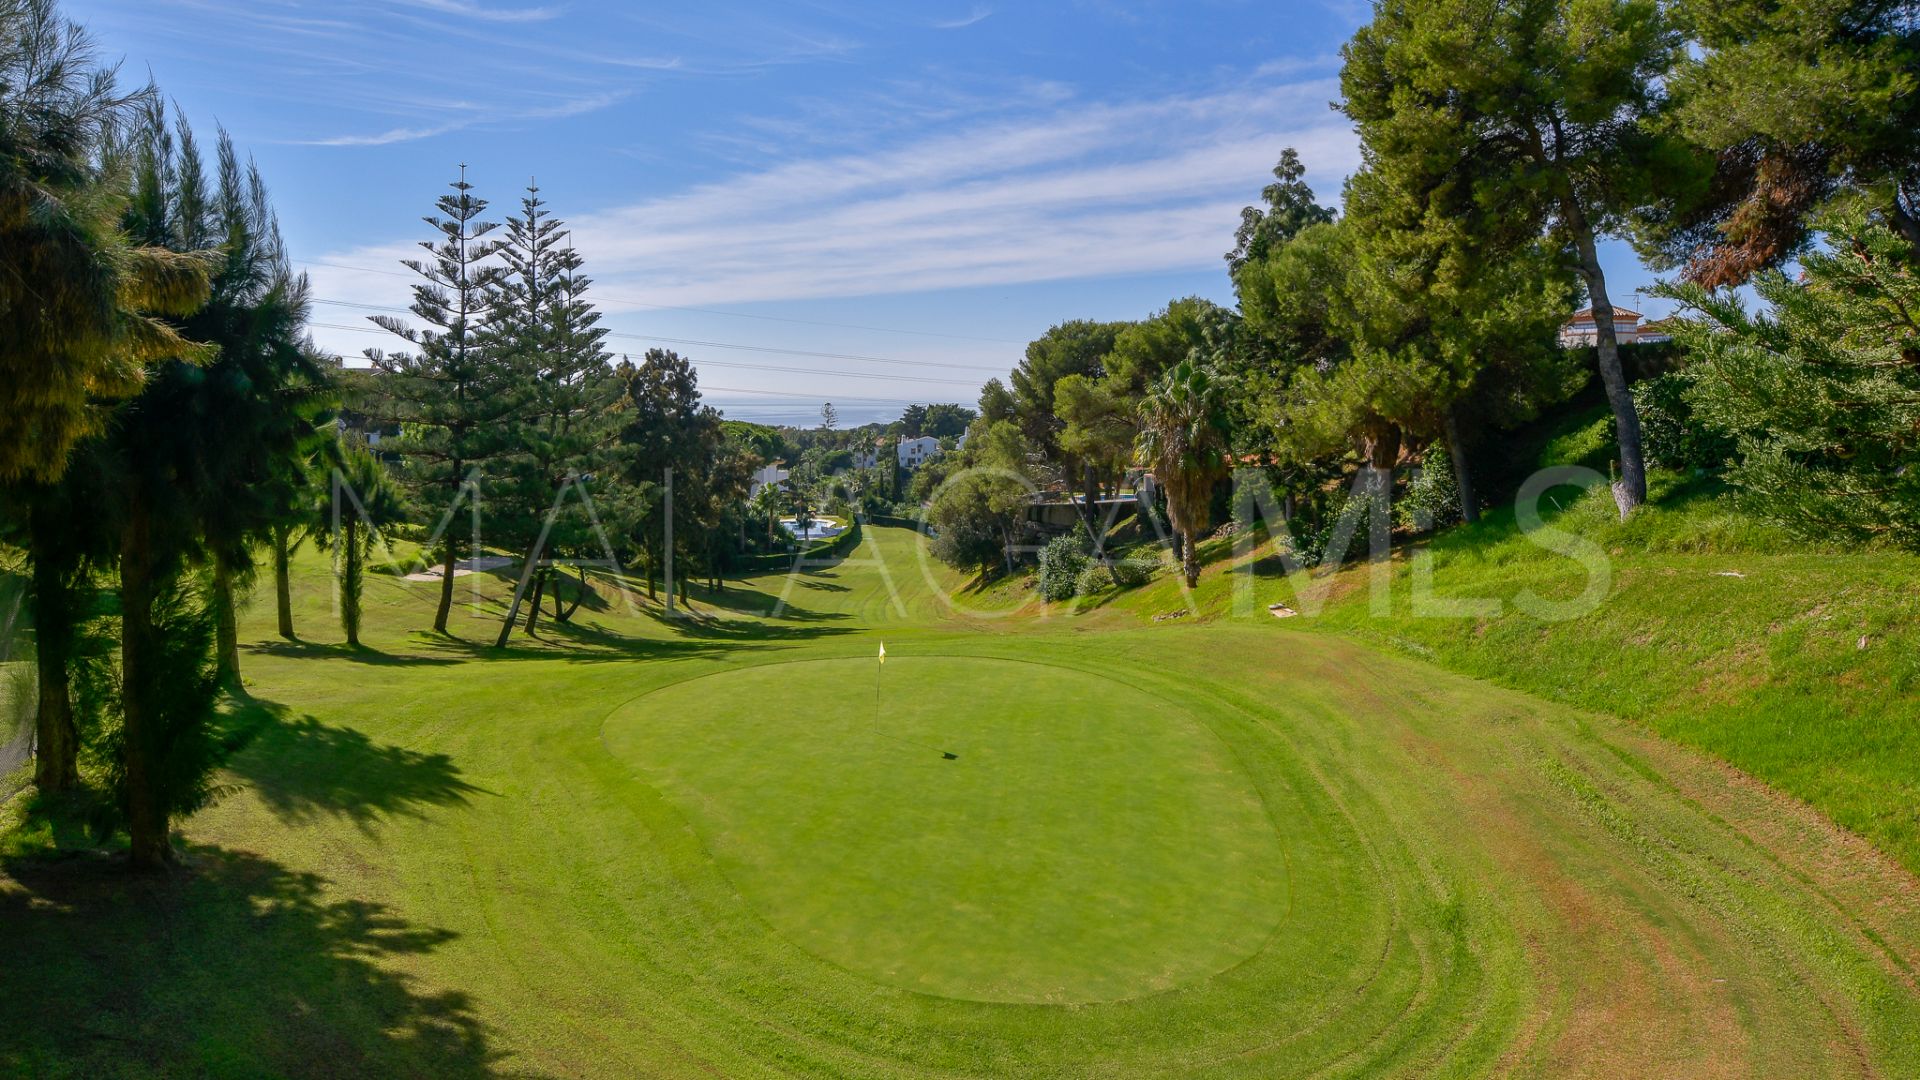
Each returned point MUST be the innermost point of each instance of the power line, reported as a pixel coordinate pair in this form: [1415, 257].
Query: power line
[715, 311]
[728, 363]
[706, 344]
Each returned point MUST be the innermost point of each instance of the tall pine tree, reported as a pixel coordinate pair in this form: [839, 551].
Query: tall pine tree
[563, 425]
[1543, 110]
[1796, 107]
[267, 393]
[452, 393]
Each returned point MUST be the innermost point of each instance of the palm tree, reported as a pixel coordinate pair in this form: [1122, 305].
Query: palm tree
[1184, 437]
[767, 504]
[77, 300]
[81, 317]
[365, 500]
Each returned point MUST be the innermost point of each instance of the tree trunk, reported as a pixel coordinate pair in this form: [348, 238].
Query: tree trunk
[1631, 489]
[446, 586]
[350, 584]
[1905, 224]
[529, 568]
[565, 614]
[1462, 474]
[145, 801]
[533, 609]
[226, 625]
[1096, 532]
[283, 581]
[56, 740]
[1381, 443]
[1190, 558]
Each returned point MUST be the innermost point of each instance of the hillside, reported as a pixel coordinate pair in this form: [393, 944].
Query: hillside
[1798, 665]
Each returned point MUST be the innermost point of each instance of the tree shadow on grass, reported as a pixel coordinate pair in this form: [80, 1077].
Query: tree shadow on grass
[583, 643]
[705, 627]
[304, 650]
[229, 965]
[304, 770]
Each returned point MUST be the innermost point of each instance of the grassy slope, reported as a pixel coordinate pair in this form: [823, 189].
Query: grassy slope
[444, 861]
[1799, 665]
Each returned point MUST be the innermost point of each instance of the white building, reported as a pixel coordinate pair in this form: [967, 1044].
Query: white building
[912, 453]
[771, 474]
[915, 451]
[1627, 329]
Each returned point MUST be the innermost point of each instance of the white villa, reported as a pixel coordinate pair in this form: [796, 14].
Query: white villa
[771, 474]
[913, 452]
[1627, 329]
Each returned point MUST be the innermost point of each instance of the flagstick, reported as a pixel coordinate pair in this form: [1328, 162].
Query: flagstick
[946, 755]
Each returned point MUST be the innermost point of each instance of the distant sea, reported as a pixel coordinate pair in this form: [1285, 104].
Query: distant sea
[807, 415]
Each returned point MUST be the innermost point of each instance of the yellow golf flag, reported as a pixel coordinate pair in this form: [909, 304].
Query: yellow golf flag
[883, 652]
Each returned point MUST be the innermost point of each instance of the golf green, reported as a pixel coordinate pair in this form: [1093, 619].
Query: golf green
[1088, 841]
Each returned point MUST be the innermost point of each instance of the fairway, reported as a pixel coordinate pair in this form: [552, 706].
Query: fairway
[699, 846]
[1087, 842]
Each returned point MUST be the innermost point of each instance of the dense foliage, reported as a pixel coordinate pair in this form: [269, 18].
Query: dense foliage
[1822, 392]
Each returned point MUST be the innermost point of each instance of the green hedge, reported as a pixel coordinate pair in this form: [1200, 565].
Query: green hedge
[832, 548]
[900, 523]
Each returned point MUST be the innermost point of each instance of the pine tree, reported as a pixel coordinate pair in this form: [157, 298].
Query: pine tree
[93, 327]
[1544, 112]
[1791, 108]
[158, 472]
[664, 426]
[451, 394]
[1823, 392]
[563, 425]
[1289, 207]
[266, 397]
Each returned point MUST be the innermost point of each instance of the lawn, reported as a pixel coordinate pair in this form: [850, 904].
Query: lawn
[708, 846]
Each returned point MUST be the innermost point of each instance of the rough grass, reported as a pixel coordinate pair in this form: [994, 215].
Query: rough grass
[443, 860]
[1797, 663]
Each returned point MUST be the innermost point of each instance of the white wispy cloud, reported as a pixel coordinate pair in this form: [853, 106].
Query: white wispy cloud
[473, 114]
[384, 138]
[1072, 190]
[1079, 191]
[976, 15]
[474, 10]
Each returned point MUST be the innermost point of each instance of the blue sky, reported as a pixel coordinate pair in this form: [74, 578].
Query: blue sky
[863, 203]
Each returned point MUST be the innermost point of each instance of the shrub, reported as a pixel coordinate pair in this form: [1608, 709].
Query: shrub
[1061, 562]
[1310, 545]
[1091, 580]
[1670, 434]
[1432, 498]
[1135, 571]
